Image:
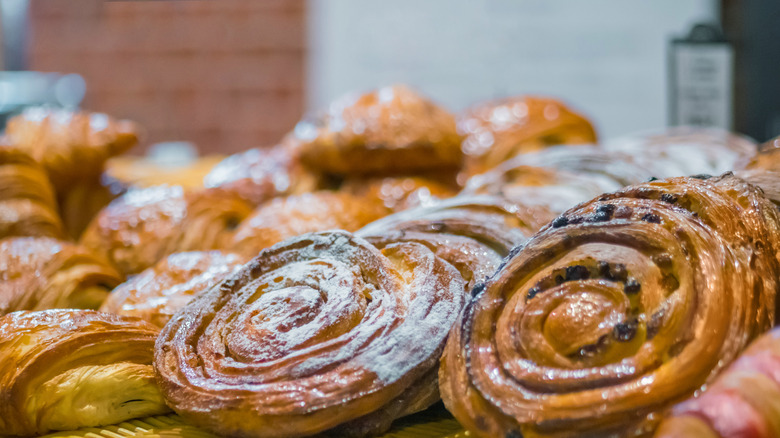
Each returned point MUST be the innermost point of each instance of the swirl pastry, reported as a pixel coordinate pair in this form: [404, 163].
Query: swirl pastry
[686, 151]
[38, 273]
[142, 226]
[67, 369]
[319, 332]
[742, 402]
[282, 218]
[618, 309]
[28, 206]
[400, 192]
[497, 130]
[157, 293]
[72, 146]
[390, 130]
[260, 174]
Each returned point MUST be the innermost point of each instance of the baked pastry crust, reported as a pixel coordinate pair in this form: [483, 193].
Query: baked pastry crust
[399, 192]
[157, 293]
[142, 226]
[618, 309]
[67, 369]
[317, 332]
[38, 273]
[390, 130]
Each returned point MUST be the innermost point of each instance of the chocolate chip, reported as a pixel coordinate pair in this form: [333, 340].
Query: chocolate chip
[662, 260]
[532, 293]
[632, 286]
[616, 272]
[607, 208]
[655, 324]
[576, 220]
[603, 213]
[560, 221]
[652, 178]
[669, 198]
[652, 218]
[478, 288]
[559, 280]
[701, 176]
[577, 272]
[625, 331]
[623, 212]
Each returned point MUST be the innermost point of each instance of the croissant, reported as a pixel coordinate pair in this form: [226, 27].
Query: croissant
[390, 130]
[28, 206]
[142, 226]
[66, 369]
[38, 273]
[71, 146]
[399, 192]
[497, 130]
[742, 402]
[157, 293]
[319, 332]
[616, 310]
[290, 216]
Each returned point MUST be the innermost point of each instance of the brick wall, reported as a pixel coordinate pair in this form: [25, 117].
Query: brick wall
[224, 74]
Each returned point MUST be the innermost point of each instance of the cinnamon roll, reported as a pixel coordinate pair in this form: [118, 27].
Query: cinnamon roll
[71, 146]
[28, 206]
[389, 130]
[142, 226]
[38, 273]
[615, 311]
[497, 130]
[67, 369]
[290, 216]
[742, 402]
[319, 332]
[157, 293]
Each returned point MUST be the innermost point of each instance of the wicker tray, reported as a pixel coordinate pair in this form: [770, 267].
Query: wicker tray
[432, 423]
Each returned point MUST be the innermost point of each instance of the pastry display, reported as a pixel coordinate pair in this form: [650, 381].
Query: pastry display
[142, 226]
[65, 369]
[282, 218]
[28, 206]
[38, 273]
[388, 131]
[616, 310]
[319, 332]
[157, 293]
[497, 130]
[742, 402]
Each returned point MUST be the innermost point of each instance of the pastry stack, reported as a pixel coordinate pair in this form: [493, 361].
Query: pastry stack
[387, 255]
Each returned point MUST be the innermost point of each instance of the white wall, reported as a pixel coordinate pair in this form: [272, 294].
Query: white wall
[605, 57]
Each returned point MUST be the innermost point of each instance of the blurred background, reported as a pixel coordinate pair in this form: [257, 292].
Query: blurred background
[231, 74]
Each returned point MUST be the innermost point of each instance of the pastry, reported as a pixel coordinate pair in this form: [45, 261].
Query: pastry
[768, 157]
[38, 273]
[290, 216]
[67, 369]
[72, 146]
[742, 402]
[131, 171]
[321, 331]
[142, 226]
[390, 130]
[28, 206]
[399, 192]
[157, 293]
[497, 130]
[618, 309]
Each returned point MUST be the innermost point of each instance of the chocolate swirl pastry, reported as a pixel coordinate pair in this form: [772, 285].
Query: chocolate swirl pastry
[322, 332]
[500, 129]
[28, 206]
[157, 293]
[619, 308]
[67, 369]
[142, 226]
[282, 218]
[388, 131]
[38, 273]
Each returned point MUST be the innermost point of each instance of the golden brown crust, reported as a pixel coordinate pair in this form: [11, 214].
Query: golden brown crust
[291, 216]
[399, 192]
[71, 146]
[767, 158]
[43, 273]
[66, 369]
[144, 225]
[497, 130]
[619, 308]
[27, 203]
[157, 293]
[390, 130]
[317, 331]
